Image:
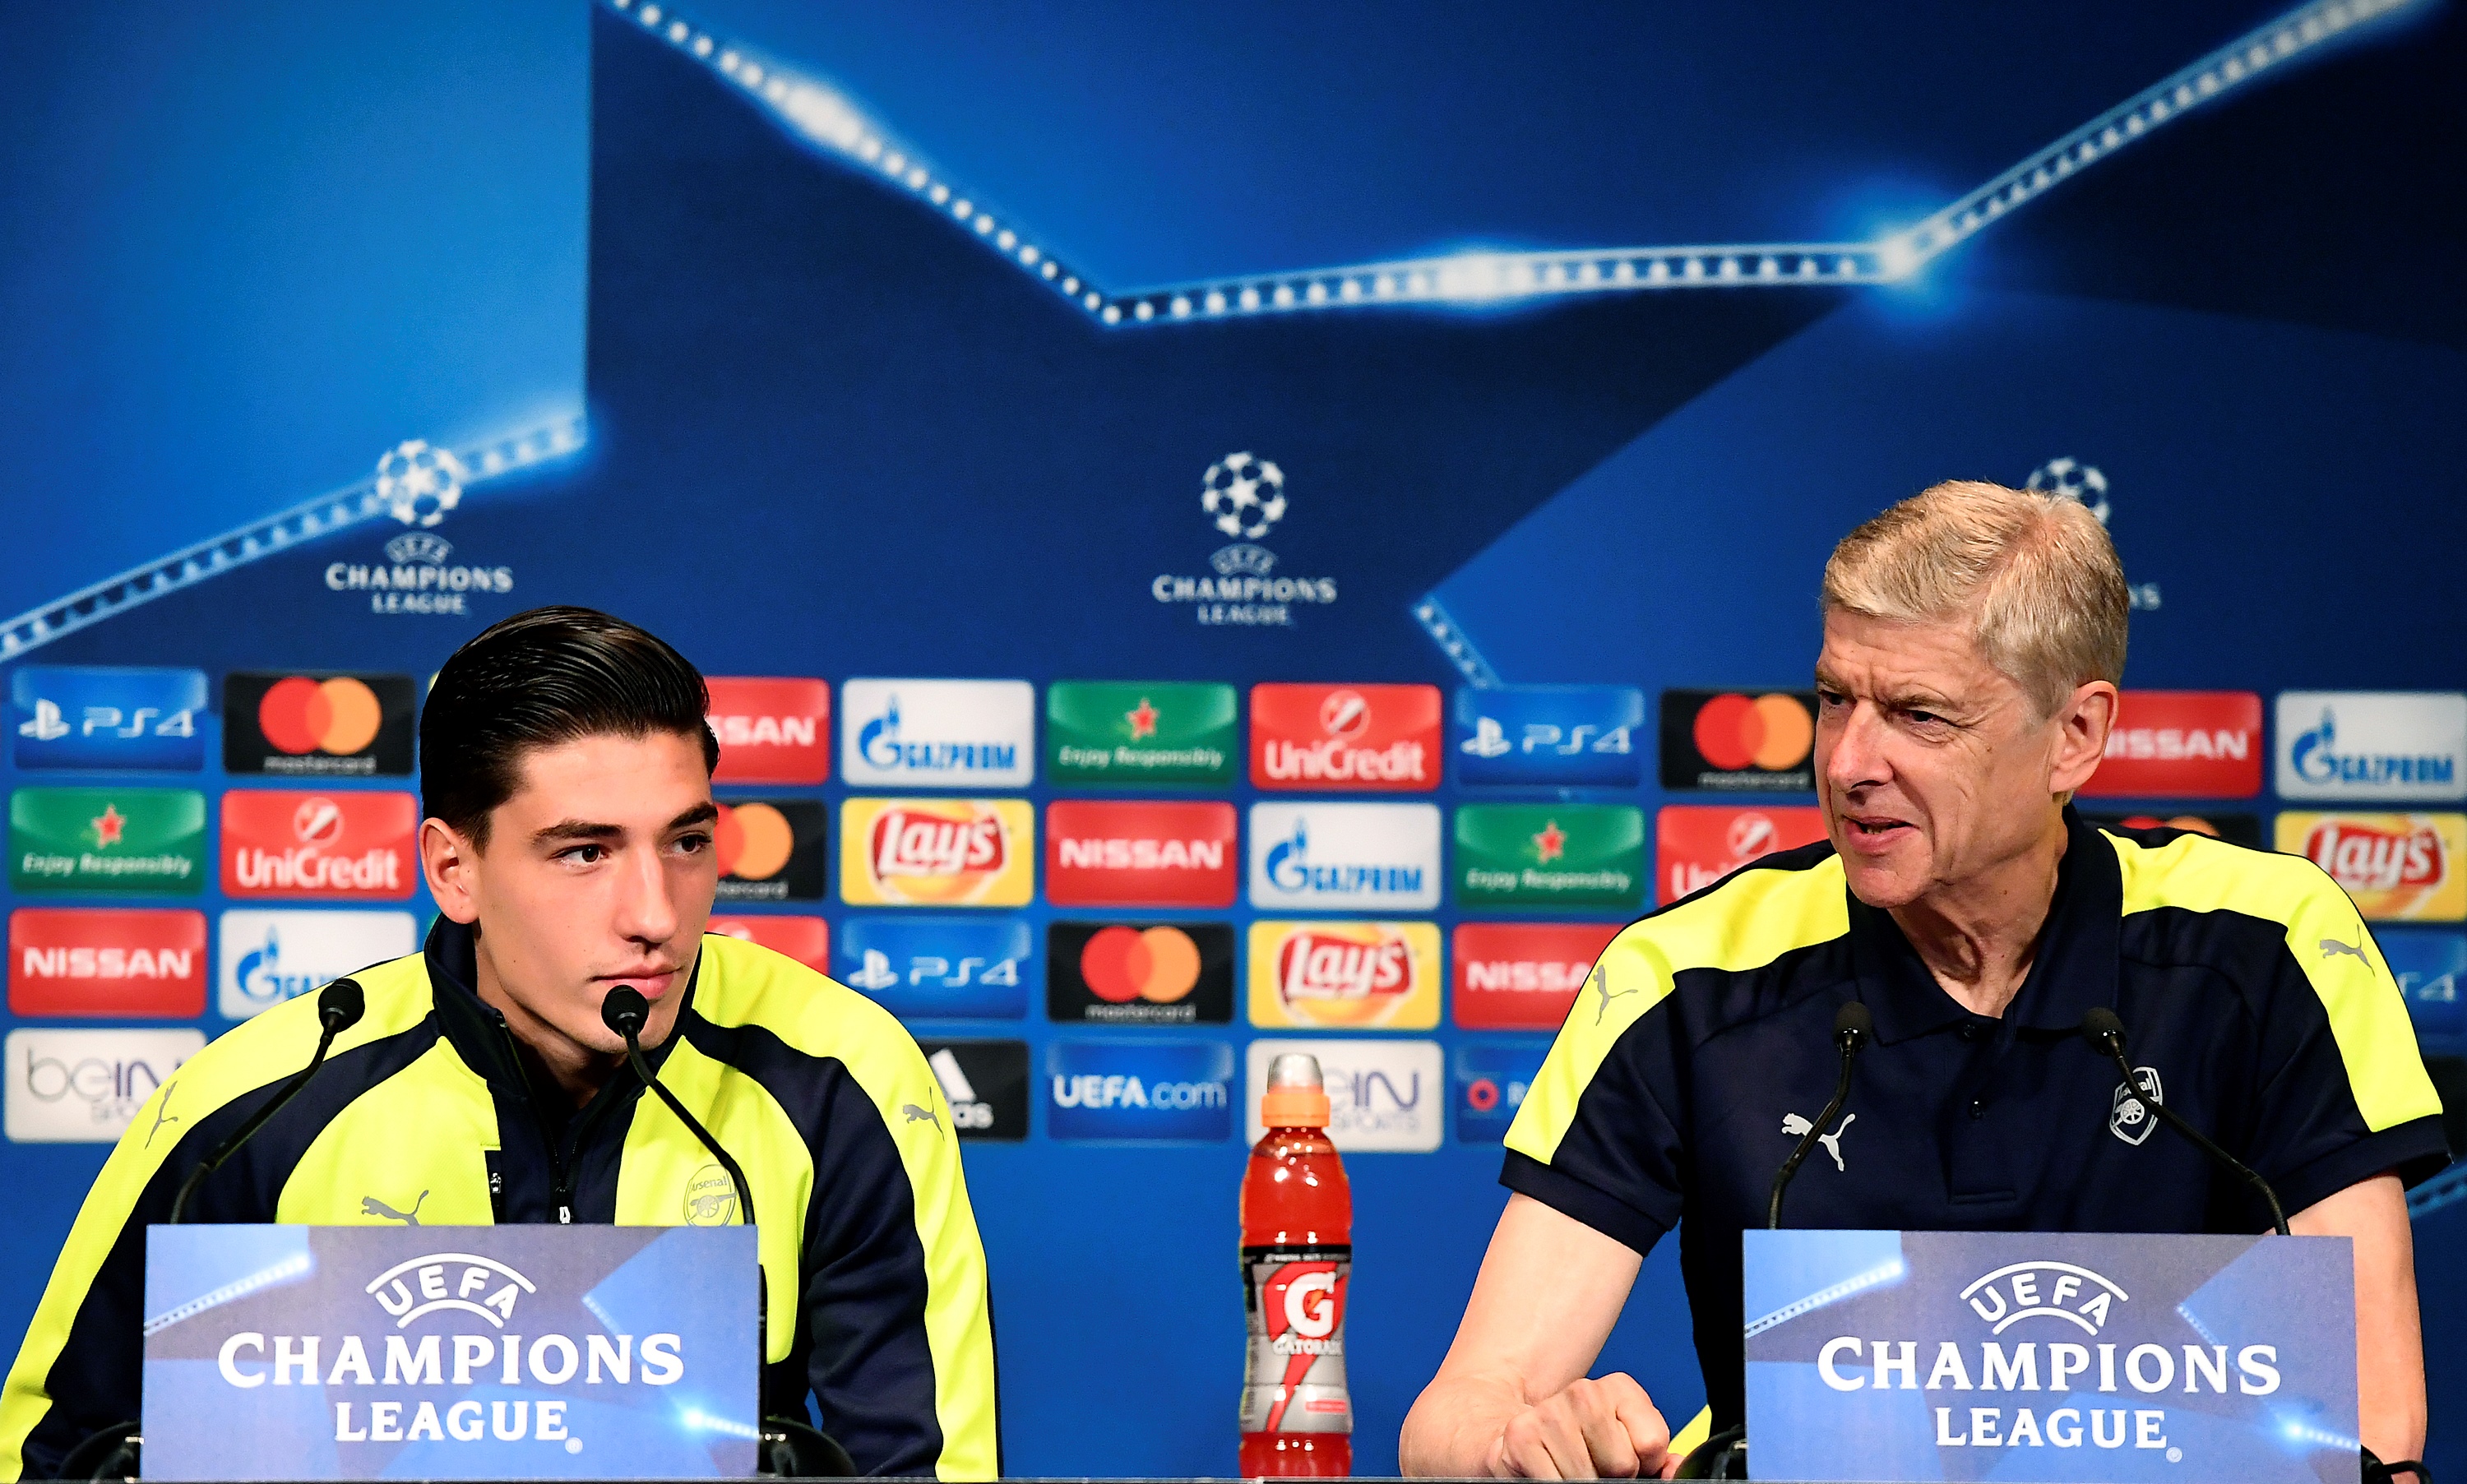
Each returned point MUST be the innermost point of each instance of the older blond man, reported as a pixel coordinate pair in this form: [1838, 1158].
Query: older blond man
[1973, 641]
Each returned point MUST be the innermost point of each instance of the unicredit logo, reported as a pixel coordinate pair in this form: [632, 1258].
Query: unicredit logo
[909, 843]
[1345, 736]
[339, 844]
[2366, 858]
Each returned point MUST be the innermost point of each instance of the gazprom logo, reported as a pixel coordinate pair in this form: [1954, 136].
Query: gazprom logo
[1322, 857]
[941, 733]
[2318, 759]
[2376, 745]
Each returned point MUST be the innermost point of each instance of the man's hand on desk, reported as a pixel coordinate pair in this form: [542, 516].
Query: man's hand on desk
[1607, 1428]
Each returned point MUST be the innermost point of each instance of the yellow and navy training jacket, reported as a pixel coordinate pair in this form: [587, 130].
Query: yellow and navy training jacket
[423, 1113]
[1701, 1048]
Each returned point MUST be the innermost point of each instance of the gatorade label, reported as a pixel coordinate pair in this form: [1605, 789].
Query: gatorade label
[1295, 1299]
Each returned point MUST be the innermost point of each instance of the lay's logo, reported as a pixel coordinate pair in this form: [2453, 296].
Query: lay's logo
[937, 852]
[2397, 867]
[1345, 974]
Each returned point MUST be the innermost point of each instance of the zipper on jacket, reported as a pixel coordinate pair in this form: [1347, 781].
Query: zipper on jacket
[561, 1162]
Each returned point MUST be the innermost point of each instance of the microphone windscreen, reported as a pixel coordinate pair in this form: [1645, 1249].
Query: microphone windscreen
[2099, 1023]
[1854, 1014]
[626, 1011]
[341, 1004]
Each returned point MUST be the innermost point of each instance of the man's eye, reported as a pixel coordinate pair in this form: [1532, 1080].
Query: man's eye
[1926, 718]
[693, 844]
[1831, 698]
[583, 855]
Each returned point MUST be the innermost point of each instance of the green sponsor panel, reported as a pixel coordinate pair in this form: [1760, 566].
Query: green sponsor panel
[1550, 855]
[148, 840]
[1170, 732]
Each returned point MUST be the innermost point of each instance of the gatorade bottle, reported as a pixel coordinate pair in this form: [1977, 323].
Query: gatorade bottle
[1297, 1264]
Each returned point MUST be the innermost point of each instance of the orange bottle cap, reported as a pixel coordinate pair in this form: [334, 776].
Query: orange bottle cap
[1296, 1098]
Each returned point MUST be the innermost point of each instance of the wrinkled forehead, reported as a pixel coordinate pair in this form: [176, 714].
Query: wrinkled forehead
[1888, 658]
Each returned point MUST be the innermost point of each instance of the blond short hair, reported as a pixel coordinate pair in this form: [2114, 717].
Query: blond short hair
[2035, 574]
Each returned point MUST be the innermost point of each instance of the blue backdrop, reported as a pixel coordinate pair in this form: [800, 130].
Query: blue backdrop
[791, 407]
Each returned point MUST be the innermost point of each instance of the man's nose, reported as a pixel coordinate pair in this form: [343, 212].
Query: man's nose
[1856, 755]
[644, 914]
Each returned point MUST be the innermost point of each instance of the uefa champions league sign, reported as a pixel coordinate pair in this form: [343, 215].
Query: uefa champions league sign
[283, 1352]
[2040, 1357]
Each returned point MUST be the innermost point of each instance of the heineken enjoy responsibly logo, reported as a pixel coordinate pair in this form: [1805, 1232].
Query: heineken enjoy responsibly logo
[1166, 732]
[1550, 855]
[134, 839]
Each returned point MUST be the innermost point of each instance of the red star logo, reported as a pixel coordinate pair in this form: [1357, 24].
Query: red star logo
[107, 826]
[1552, 843]
[1143, 720]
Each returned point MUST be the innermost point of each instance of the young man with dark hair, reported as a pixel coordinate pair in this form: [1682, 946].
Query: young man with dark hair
[568, 840]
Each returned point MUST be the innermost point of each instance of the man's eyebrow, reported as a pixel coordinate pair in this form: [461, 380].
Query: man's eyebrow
[578, 829]
[700, 814]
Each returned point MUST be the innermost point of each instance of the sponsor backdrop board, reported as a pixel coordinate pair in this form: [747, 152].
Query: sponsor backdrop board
[1018, 549]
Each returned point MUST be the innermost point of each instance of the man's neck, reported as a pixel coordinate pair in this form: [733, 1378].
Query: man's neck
[578, 1072]
[1978, 941]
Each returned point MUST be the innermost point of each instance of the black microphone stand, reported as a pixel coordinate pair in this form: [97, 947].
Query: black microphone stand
[2106, 1032]
[1725, 1455]
[1852, 1025]
[339, 1007]
[787, 1447]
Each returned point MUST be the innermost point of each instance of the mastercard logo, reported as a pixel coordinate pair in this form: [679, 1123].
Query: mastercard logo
[1770, 731]
[338, 716]
[754, 841]
[1160, 965]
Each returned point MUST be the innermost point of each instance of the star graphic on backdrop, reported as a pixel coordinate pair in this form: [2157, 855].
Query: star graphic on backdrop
[1552, 843]
[107, 826]
[1143, 719]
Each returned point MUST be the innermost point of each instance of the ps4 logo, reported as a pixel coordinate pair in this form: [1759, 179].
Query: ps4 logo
[875, 973]
[1490, 739]
[145, 721]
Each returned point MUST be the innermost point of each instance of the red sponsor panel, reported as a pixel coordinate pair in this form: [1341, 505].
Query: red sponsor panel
[291, 843]
[2181, 744]
[1139, 853]
[106, 962]
[1369, 739]
[1523, 976]
[771, 730]
[1695, 845]
[805, 939]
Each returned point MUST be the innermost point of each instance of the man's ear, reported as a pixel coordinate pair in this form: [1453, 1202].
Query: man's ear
[2081, 727]
[452, 865]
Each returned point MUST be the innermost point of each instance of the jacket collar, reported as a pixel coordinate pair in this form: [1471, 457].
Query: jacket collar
[2075, 968]
[479, 1030]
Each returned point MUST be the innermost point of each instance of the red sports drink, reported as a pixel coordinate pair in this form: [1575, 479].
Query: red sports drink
[1296, 1263]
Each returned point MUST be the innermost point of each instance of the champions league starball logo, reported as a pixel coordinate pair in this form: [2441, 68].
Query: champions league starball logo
[419, 484]
[1243, 496]
[2073, 480]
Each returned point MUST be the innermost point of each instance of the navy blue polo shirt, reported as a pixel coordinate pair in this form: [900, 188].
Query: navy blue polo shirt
[1702, 1044]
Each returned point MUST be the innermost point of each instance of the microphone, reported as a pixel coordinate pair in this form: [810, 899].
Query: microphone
[784, 1447]
[625, 1012]
[339, 1007]
[1853, 1024]
[2105, 1034]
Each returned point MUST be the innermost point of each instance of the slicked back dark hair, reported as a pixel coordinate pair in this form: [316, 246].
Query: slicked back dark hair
[539, 680]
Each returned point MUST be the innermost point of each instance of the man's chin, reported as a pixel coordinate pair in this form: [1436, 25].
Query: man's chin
[1883, 882]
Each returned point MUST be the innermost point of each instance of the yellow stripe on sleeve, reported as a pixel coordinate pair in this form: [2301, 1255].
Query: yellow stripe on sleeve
[1747, 922]
[2367, 1013]
[822, 1018]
